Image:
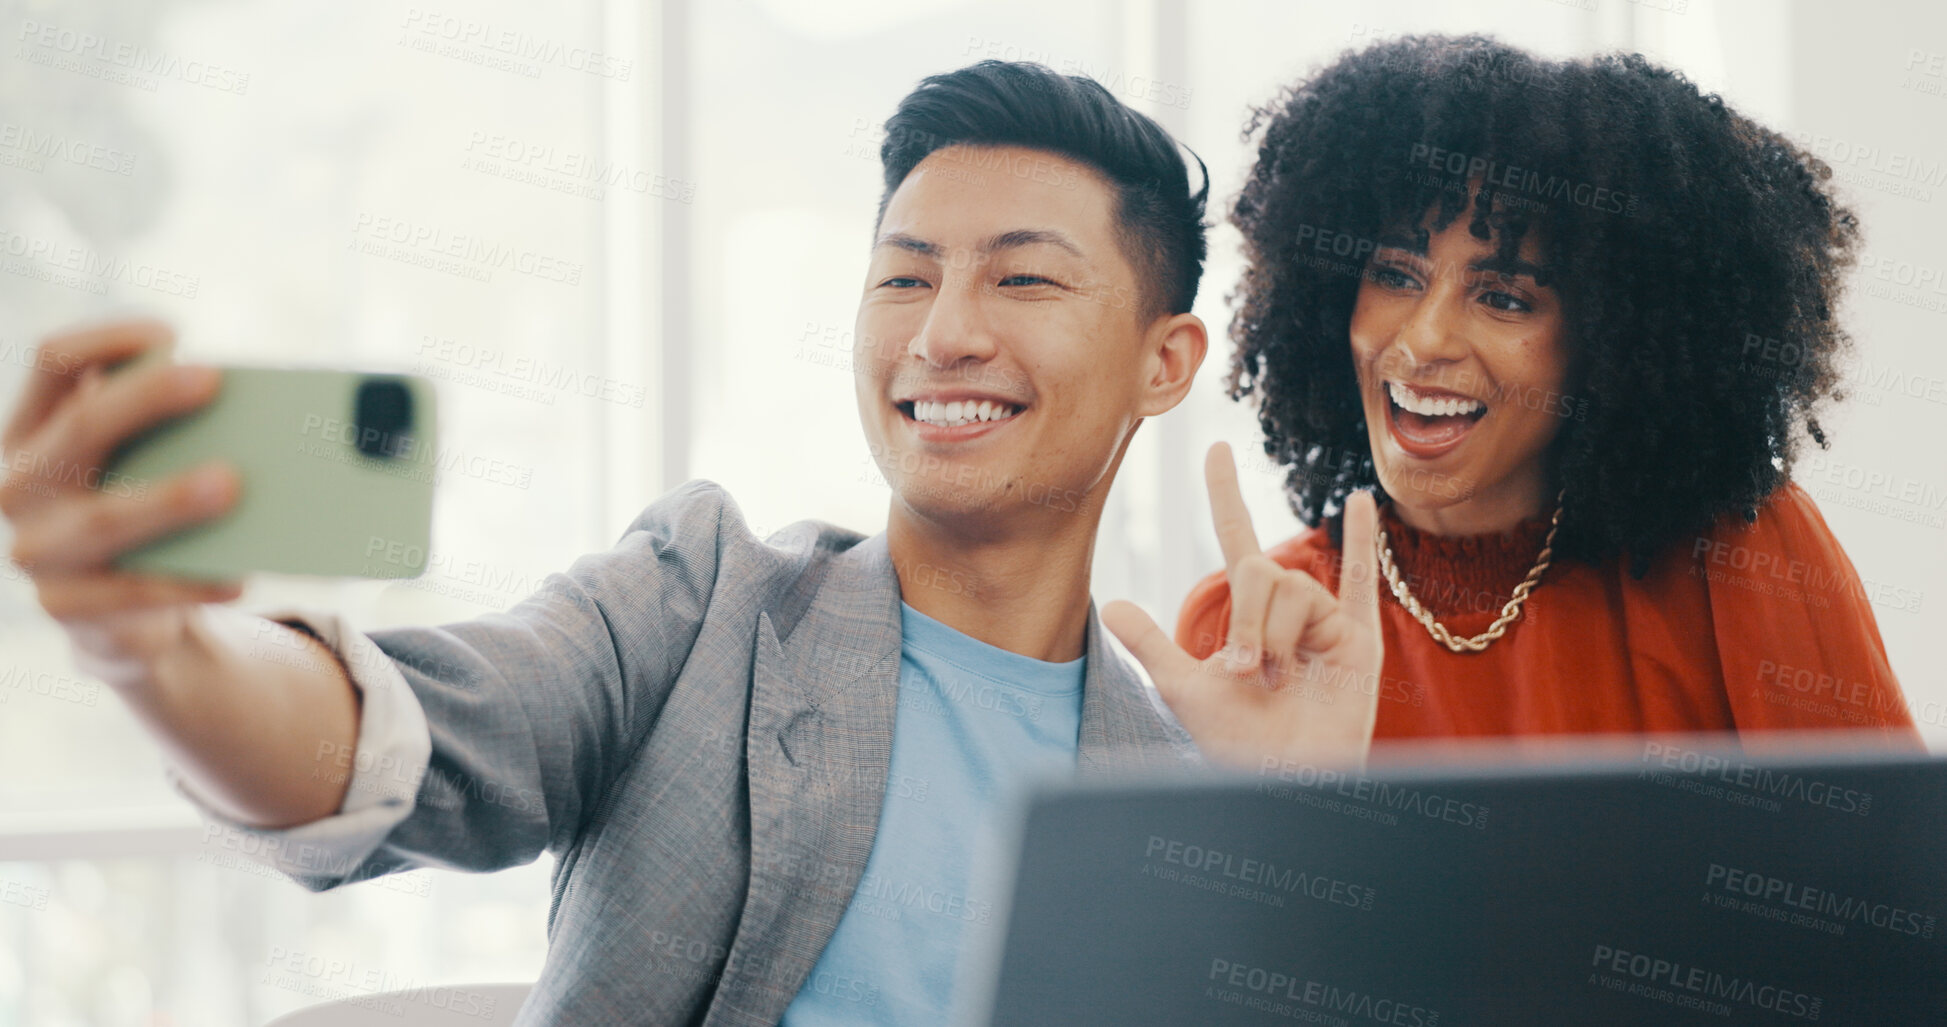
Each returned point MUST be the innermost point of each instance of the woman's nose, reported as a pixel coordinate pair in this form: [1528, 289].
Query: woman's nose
[1432, 332]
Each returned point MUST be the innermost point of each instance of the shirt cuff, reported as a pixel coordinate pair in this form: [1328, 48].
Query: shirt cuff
[386, 763]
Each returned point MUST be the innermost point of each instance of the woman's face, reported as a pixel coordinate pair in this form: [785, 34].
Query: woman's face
[1462, 366]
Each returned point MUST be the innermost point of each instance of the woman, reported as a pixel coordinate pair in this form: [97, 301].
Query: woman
[1571, 320]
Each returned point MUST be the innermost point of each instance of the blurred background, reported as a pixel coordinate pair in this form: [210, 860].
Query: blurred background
[663, 211]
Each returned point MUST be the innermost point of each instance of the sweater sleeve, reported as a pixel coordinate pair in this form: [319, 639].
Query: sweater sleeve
[1205, 619]
[1796, 638]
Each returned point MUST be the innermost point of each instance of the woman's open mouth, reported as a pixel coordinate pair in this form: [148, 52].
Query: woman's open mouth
[1429, 424]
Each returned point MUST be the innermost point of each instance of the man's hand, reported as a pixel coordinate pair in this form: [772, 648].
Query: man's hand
[68, 530]
[246, 730]
[1298, 677]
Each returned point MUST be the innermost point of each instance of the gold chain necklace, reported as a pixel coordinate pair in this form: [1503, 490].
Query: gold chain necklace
[1510, 611]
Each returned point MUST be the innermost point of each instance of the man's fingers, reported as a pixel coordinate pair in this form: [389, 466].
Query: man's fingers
[1359, 581]
[1168, 665]
[89, 529]
[87, 597]
[86, 432]
[60, 360]
[1227, 512]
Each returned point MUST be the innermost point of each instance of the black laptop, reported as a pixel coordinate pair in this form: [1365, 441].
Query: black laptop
[1665, 882]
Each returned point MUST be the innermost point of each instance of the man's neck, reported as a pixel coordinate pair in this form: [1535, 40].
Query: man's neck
[1026, 591]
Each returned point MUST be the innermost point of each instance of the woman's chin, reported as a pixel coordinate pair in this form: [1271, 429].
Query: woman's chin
[1419, 490]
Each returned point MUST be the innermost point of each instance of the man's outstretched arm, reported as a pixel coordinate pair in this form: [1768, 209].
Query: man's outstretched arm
[476, 744]
[241, 729]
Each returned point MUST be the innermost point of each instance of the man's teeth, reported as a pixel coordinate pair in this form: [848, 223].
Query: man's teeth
[962, 412]
[1408, 401]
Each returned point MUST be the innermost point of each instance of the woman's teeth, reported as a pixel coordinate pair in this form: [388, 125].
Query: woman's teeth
[948, 415]
[1445, 407]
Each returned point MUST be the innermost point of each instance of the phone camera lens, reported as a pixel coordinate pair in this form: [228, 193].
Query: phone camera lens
[384, 418]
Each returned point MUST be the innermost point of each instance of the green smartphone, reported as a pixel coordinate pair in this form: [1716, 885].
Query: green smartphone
[337, 471]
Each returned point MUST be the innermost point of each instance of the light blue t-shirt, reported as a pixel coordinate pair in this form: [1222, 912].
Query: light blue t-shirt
[975, 723]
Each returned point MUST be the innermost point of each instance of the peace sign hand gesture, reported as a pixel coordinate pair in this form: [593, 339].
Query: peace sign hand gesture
[1298, 677]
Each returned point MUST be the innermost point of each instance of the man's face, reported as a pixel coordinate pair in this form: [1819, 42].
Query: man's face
[999, 356]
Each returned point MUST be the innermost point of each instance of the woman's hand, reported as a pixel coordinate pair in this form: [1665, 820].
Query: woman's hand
[1298, 676]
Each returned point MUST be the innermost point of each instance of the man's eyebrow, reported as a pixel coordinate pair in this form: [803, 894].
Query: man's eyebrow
[909, 243]
[1029, 237]
[992, 244]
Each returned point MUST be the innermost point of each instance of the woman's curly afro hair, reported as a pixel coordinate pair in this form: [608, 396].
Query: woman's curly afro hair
[1698, 256]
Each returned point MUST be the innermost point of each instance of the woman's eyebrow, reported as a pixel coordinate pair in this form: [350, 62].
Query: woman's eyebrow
[1396, 240]
[1512, 267]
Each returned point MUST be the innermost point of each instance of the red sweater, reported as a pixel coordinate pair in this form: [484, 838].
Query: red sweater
[1749, 627]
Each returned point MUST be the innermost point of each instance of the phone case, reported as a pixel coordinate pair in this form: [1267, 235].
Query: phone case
[337, 472]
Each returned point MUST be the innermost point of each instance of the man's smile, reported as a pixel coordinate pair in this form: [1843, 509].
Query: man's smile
[956, 416]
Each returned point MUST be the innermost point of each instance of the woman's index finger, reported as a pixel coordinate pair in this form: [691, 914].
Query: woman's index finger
[1232, 519]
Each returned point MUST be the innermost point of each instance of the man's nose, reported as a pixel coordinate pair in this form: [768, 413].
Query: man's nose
[956, 327]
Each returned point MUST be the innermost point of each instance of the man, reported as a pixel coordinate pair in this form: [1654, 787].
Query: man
[765, 767]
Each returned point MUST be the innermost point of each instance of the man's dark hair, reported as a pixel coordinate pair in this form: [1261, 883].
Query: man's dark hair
[1002, 103]
[1699, 257]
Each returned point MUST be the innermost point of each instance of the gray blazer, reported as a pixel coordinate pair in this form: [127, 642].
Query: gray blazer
[697, 724]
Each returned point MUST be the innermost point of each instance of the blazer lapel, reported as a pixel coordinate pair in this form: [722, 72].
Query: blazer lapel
[824, 699]
[1123, 728]
[823, 702]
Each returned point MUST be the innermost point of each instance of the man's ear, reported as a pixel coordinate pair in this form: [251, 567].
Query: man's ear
[1173, 349]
